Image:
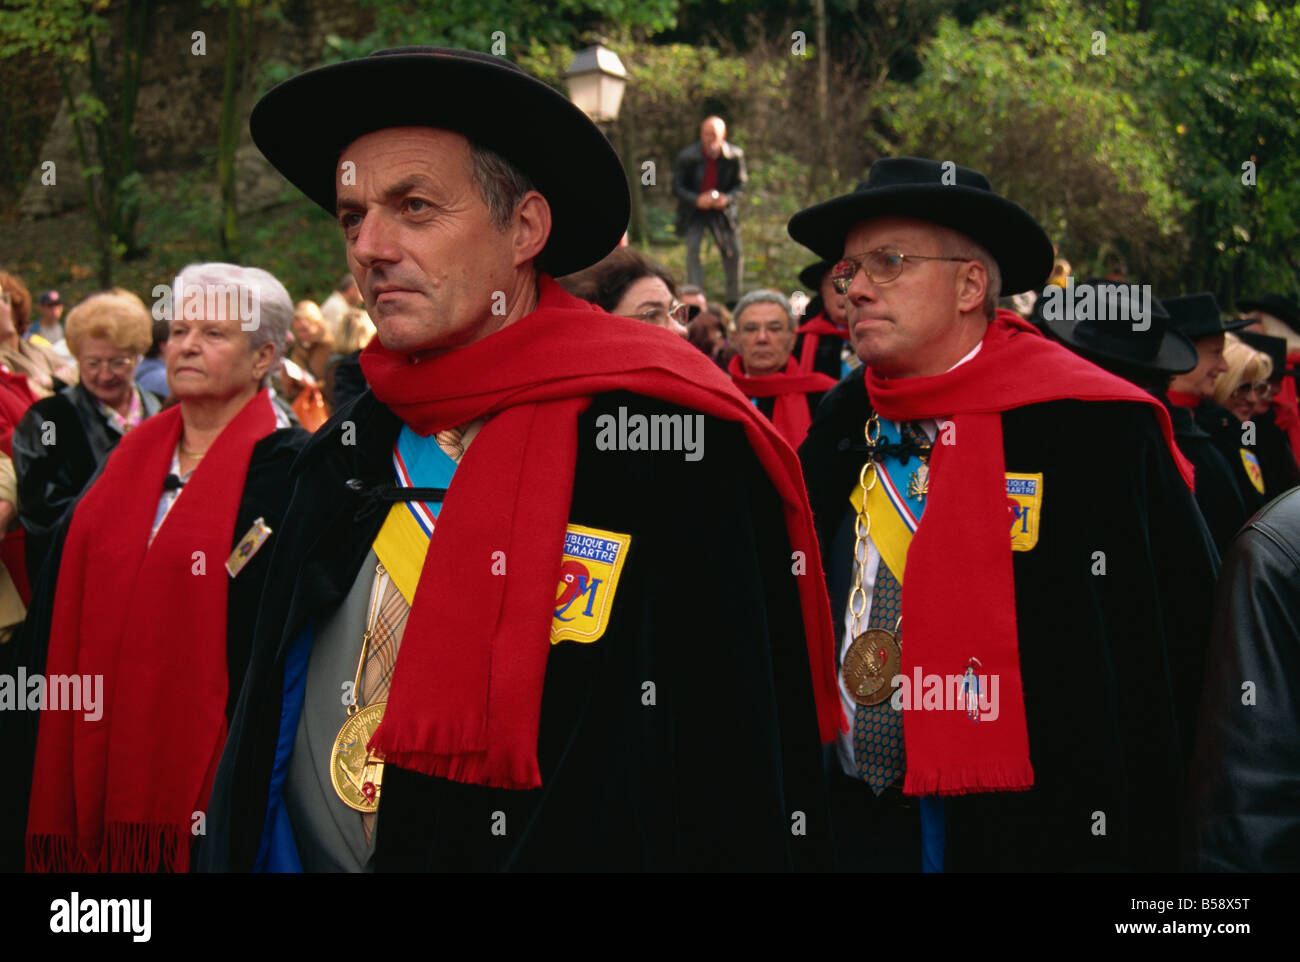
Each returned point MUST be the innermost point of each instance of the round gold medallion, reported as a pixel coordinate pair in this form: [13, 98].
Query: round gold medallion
[356, 772]
[870, 664]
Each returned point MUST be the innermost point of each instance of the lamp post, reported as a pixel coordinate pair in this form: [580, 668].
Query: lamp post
[596, 80]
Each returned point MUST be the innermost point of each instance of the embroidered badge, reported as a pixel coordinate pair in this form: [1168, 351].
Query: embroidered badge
[247, 547]
[589, 573]
[1025, 505]
[1252, 469]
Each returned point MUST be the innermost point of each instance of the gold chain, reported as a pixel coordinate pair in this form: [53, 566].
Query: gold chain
[862, 525]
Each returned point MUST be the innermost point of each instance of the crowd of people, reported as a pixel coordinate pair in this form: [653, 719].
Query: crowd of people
[908, 572]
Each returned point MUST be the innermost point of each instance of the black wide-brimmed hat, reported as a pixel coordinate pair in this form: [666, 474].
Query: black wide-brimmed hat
[1274, 347]
[303, 124]
[914, 187]
[1158, 348]
[811, 276]
[1198, 315]
[1285, 309]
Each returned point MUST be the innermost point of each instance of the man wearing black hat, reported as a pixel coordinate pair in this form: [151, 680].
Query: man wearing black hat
[1012, 548]
[1198, 318]
[1149, 356]
[822, 345]
[483, 651]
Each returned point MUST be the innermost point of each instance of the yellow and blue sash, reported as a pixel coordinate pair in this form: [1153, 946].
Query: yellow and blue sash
[403, 541]
[894, 513]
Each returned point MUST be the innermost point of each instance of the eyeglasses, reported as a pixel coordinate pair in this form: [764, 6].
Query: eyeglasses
[118, 365]
[882, 266]
[1260, 389]
[679, 312]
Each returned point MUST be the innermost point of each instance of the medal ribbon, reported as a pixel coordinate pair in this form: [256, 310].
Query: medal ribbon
[894, 515]
[403, 542]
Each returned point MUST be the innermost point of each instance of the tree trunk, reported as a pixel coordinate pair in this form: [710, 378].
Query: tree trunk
[825, 132]
[638, 232]
[229, 136]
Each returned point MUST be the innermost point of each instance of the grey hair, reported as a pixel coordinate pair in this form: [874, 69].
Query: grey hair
[762, 297]
[240, 286]
[959, 245]
[500, 183]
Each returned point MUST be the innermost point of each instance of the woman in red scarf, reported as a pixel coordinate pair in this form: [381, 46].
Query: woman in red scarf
[152, 608]
[765, 370]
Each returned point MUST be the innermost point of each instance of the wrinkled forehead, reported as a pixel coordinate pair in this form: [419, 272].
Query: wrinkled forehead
[907, 233]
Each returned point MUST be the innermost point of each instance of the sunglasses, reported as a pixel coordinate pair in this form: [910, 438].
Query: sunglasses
[882, 266]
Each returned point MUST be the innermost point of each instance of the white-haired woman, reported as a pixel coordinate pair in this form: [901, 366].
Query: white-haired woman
[159, 573]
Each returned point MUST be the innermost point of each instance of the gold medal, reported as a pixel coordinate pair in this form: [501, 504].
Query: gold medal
[869, 665]
[356, 772]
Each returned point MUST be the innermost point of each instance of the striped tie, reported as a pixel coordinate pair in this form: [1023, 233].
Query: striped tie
[878, 729]
[377, 673]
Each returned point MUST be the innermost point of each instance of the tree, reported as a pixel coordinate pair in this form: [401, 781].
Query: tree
[100, 91]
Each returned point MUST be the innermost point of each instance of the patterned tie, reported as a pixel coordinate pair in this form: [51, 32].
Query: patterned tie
[377, 673]
[878, 729]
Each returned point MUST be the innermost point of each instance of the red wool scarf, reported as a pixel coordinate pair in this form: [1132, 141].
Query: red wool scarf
[812, 332]
[118, 794]
[790, 415]
[465, 701]
[959, 590]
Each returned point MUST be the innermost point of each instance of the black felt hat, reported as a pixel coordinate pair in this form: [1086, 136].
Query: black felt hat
[1158, 348]
[303, 124]
[811, 276]
[1198, 315]
[1274, 347]
[914, 187]
[1285, 309]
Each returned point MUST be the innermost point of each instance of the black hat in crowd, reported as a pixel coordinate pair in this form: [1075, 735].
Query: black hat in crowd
[811, 276]
[1159, 348]
[1274, 347]
[303, 124]
[50, 298]
[1198, 315]
[914, 187]
[1285, 309]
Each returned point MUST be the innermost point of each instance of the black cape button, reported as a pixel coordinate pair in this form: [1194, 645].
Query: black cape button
[354, 484]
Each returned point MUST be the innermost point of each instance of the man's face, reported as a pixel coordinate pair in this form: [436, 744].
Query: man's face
[1209, 365]
[353, 296]
[764, 338]
[907, 326]
[712, 134]
[50, 314]
[698, 300]
[836, 303]
[420, 241]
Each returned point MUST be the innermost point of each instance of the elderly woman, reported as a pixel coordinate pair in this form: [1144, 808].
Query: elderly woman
[62, 440]
[160, 567]
[33, 358]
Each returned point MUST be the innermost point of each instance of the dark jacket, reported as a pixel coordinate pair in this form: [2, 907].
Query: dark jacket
[708, 777]
[688, 172]
[58, 446]
[1245, 787]
[266, 494]
[1111, 664]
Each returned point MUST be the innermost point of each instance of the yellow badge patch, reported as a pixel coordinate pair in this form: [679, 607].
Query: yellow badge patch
[1252, 468]
[589, 573]
[247, 547]
[1025, 506]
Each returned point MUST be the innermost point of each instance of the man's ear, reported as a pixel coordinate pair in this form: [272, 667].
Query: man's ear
[532, 223]
[972, 286]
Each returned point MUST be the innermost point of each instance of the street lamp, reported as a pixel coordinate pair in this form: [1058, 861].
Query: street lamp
[596, 79]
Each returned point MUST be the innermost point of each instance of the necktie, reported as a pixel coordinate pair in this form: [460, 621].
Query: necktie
[377, 673]
[878, 729]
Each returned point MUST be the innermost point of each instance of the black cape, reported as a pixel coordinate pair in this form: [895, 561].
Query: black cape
[1111, 664]
[711, 776]
[1218, 486]
[1271, 449]
[266, 494]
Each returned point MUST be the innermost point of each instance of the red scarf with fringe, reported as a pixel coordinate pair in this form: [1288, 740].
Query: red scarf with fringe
[117, 794]
[466, 695]
[789, 387]
[812, 332]
[1286, 412]
[959, 589]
